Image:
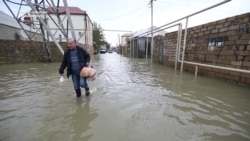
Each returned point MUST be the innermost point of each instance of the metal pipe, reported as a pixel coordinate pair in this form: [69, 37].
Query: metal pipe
[213, 66]
[57, 29]
[218, 67]
[210, 7]
[196, 70]
[200, 64]
[184, 44]
[177, 45]
[62, 29]
[206, 65]
[160, 29]
[45, 26]
[69, 19]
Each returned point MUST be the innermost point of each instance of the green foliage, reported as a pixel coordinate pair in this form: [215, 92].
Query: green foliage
[98, 36]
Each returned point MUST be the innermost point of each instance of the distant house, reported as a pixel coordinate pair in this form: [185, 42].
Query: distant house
[125, 38]
[125, 44]
[11, 30]
[81, 23]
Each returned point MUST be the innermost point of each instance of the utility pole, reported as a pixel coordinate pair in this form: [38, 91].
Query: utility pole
[152, 34]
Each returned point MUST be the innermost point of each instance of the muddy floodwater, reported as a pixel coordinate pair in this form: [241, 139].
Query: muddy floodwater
[130, 100]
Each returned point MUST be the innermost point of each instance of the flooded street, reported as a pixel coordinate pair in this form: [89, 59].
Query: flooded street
[130, 100]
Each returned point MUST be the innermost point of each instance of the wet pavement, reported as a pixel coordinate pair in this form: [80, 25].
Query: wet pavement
[131, 100]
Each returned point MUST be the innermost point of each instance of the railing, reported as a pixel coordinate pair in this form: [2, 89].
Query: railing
[178, 46]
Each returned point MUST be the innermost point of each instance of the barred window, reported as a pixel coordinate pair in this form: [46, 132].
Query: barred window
[216, 42]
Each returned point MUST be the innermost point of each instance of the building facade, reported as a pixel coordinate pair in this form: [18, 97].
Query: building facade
[11, 30]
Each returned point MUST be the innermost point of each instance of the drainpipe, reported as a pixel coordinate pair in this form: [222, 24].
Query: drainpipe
[178, 44]
[184, 44]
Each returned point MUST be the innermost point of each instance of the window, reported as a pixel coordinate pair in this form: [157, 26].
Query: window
[216, 42]
[220, 42]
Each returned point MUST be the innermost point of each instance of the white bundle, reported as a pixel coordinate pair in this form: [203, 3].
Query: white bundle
[61, 79]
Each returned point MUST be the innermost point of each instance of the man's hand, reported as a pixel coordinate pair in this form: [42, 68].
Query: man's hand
[61, 79]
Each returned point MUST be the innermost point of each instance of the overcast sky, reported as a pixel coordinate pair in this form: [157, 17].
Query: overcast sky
[134, 15]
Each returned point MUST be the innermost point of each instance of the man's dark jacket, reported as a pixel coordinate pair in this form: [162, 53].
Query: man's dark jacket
[83, 58]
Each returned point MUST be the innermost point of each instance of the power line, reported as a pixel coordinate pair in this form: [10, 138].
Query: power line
[138, 17]
[204, 2]
[179, 4]
[123, 15]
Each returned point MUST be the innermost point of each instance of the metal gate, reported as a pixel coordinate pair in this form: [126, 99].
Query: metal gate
[160, 53]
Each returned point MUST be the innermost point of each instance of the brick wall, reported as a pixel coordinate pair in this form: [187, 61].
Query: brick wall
[223, 43]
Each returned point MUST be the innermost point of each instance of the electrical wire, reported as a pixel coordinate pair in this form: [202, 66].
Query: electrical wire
[142, 15]
[177, 4]
[123, 15]
[191, 6]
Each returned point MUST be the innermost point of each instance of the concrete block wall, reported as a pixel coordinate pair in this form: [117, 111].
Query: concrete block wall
[224, 43]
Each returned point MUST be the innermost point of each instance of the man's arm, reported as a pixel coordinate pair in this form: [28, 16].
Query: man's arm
[63, 64]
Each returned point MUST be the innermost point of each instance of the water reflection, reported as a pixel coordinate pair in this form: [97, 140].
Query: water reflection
[81, 120]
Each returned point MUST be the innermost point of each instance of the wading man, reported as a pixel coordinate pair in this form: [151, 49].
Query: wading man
[75, 58]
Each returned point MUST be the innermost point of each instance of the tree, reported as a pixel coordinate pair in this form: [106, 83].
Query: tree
[98, 36]
[97, 33]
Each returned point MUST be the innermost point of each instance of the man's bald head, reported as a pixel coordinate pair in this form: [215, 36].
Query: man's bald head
[71, 43]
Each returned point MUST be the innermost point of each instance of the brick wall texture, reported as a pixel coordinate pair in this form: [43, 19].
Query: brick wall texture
[222, 43]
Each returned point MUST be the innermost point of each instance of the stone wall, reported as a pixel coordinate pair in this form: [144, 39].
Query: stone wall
[222, 43]
[18, 51]
[21, 51]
